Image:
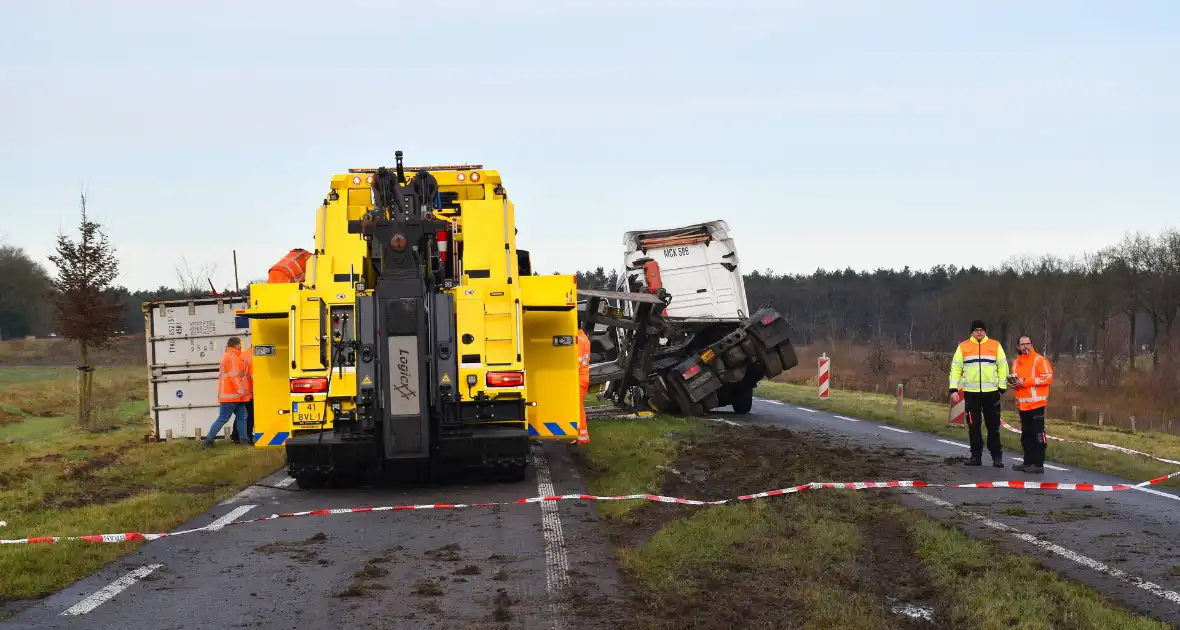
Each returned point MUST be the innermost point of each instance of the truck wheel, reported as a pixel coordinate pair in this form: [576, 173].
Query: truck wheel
[743, 400]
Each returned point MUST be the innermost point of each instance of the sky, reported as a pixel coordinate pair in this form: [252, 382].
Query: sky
[858, 134]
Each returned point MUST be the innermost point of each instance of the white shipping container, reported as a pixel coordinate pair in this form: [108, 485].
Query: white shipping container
[191, 334]
[184, 403]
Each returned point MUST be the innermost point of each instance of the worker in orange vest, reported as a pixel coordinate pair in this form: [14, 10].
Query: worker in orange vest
[292, 267]
[583, 345]
[1031, 376]
[248, 378]
[231, 391]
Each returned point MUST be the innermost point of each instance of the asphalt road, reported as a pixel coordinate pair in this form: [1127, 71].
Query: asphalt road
[445, 568]
[1126, 544]
[518, 566]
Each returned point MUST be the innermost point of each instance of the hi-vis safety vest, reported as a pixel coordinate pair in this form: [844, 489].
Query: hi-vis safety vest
[583, 343]
[292, 268]
[1038, 375]
[231, 384]
[248, 372]
[980, 366]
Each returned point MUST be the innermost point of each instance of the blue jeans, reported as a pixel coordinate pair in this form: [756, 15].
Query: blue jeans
[238, 410]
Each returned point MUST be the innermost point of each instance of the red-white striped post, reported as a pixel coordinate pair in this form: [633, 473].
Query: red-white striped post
[825, 368]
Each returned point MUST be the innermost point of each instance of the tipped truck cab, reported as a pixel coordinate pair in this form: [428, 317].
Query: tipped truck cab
[711, 352]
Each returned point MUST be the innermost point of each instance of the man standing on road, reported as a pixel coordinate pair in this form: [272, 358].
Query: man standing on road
[981, 367]
[1031, 376]
[231, 391]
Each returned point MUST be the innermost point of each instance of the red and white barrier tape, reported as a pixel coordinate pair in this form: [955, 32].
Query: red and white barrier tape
[856, 485]
[1109, 447]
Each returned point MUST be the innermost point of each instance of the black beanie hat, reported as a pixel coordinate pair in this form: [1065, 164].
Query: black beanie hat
[978, 324]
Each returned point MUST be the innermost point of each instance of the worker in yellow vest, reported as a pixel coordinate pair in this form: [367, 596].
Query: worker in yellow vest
[980, 368]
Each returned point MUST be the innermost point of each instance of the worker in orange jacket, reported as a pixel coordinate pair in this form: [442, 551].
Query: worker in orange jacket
[248, 378]
[292, 267]
[583, 345]
[231, 391]
[1031, 376]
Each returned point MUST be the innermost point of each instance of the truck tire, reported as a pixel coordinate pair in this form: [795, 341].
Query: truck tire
[743, 400]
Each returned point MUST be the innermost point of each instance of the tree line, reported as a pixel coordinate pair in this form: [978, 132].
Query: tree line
[26, 298]
[1119, 302]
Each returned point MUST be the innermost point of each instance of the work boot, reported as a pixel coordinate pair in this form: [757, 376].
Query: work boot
[997, 461]
[975, 460]
[1029, 468]
[206, 443]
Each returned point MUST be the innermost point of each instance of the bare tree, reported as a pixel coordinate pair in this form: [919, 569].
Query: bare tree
[87, 311]
[193, 283]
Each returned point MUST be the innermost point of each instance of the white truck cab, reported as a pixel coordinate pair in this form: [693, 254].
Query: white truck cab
[697, 264]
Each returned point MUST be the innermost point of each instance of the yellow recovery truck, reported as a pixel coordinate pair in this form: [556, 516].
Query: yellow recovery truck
[420, 336]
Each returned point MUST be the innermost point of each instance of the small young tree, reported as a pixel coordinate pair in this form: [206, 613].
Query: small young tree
[87, 312]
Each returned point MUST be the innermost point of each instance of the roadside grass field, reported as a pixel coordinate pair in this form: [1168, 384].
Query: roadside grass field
[816, 559]
[57, 479]
[932, 418]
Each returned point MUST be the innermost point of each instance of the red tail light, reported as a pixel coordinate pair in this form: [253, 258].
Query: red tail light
[691, 372]
[766, 319]
[316, 385]
[505, 379]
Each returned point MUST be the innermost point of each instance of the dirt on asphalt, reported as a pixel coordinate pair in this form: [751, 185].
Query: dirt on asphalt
[755, 586]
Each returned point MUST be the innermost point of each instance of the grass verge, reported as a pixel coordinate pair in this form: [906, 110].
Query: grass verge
[932, 418]
[58, 479]
[822, 559]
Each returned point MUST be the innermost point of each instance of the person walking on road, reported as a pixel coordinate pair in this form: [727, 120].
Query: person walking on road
[1031, 376]
[231, 391]
[980, 369]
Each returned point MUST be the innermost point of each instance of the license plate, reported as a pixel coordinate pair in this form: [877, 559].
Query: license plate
[307, 413]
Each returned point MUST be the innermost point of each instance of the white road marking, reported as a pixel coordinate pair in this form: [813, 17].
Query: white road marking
[1074, 556]
[556, 562]
[806, 409]
[232, 516]
[286, 481]
[773, 402]
[110, 590]
[961, 445]
[1156, 493]
[1050, 466]
[729, 422]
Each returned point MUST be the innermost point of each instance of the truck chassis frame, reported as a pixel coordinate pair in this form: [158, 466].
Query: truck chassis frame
[682, 365]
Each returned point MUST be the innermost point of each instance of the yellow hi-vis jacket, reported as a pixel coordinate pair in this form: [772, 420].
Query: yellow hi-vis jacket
[979, 366]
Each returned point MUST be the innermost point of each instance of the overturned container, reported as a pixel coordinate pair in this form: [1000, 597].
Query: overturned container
[185, 341]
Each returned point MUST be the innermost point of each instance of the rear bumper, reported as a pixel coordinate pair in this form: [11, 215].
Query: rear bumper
[487, 445]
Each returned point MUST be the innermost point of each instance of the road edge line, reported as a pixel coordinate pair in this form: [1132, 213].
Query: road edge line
[1073, 556]
[556, 561]
[109, 591]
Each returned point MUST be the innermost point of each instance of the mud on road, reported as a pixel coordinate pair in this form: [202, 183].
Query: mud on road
[826, 558]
